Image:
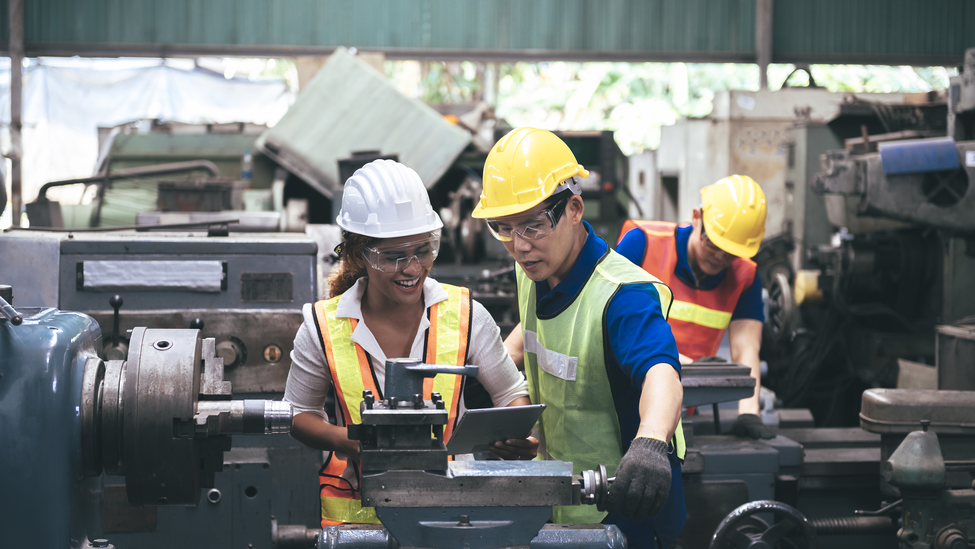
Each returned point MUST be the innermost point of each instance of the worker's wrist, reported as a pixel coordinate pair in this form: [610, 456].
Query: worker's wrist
[749, 406]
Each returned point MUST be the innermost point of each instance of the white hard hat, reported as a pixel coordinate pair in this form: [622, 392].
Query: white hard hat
[385, 199]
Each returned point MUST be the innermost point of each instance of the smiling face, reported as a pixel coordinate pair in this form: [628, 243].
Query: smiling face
[398, 267]
[704, 257]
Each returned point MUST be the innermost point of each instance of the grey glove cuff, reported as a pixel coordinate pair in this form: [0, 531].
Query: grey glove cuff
[651, 445]
[751, 426]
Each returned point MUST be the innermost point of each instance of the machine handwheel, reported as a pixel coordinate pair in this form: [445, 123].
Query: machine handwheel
[782, 308]
[741, 529]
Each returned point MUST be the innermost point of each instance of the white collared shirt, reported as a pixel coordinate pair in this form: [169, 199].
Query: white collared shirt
[310, 378]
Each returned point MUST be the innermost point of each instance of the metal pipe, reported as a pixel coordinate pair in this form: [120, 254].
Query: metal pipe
[763, 39]
[15, 12]
[140, 171]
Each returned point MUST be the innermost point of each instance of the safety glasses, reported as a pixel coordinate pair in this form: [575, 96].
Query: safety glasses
[393, 259]
[707, 242]
[531, 227]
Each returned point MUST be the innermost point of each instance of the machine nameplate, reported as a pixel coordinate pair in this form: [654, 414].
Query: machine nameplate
[187, 276]
[267, 287]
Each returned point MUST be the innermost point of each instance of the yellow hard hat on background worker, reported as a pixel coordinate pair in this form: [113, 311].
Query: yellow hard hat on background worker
[512, 184]
[733, 211]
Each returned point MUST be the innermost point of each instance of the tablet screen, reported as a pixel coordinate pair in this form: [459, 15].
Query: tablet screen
[478, 429]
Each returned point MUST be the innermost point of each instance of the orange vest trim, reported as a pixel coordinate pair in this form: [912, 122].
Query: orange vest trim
[698, 318]
[464, 334]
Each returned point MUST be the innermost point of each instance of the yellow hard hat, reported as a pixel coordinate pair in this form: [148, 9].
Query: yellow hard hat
[734, 214]
[523, 168]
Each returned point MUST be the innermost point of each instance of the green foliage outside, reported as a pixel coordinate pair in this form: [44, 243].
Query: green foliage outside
[633, 99]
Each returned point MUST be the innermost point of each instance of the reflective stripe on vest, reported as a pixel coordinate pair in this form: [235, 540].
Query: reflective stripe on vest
[709, 318]
[565, 363]
[447, 342]
[698, 318]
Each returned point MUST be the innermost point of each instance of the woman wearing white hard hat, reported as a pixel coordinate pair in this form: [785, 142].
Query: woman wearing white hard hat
[383, 305]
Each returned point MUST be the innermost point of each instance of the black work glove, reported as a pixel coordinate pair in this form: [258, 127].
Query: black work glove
[642, 480]
[751, 426]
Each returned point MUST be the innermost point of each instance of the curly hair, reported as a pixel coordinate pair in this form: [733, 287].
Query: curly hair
[347, 272]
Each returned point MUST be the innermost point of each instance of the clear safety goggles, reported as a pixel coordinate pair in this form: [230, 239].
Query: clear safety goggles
[393, 259]
[711, 246]
[532, 227]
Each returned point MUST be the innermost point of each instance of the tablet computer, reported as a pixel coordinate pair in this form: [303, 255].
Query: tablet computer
[478, 429]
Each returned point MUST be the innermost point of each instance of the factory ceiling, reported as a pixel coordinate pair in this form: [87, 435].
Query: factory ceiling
[893, 32]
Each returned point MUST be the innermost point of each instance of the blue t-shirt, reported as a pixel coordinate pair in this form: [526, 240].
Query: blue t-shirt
[633, 246]
[640, 338]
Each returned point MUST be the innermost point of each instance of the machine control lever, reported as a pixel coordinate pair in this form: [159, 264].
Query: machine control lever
[116, 303]
[404, 376]
[116, 349]
[887, 510]
[12, 315]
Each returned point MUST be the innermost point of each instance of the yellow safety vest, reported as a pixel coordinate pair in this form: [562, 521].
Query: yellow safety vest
[565, 363]
[447, 343]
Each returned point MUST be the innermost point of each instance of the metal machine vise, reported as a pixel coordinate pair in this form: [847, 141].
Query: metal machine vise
[162, 419]
[425, 500]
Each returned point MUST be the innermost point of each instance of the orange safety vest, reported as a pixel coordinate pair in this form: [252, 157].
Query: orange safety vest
[698, 318]
[447, 343]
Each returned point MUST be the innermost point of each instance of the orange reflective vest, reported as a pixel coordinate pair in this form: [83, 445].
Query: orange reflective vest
[447, 343]
[698, 318]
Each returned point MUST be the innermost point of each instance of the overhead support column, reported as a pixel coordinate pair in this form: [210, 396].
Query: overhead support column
[16, 47]
[763, 39]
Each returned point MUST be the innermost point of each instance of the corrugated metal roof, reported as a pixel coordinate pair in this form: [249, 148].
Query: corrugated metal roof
[824, 31]
[349, 106]
[873, 31]
[546, 29]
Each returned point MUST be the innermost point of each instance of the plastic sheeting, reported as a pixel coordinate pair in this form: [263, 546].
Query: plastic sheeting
[66, 100]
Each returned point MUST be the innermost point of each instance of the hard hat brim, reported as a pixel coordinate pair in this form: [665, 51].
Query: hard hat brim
[733, 248]
[482, 212]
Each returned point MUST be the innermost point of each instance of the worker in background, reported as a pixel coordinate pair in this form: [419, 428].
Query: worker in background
[384, 305]
[593, 340]
[715, 284]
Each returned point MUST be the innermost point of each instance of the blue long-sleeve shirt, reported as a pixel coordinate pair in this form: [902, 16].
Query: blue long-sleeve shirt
[639, 338]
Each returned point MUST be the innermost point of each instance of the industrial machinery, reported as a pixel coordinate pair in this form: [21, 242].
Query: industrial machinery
[925, 479]
[424, 500]
[897, 265]
[865, 261]
[161, 417]
[243, 292]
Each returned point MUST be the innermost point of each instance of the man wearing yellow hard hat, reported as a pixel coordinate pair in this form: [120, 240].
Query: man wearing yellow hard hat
[716, 287]
[593, 340]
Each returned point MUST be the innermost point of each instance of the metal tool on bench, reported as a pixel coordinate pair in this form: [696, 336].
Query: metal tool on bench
[425, 500]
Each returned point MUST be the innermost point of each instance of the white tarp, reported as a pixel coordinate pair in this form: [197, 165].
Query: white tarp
[66, 100]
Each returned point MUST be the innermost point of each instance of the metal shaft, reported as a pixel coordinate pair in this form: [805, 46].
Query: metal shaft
[247, 417]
